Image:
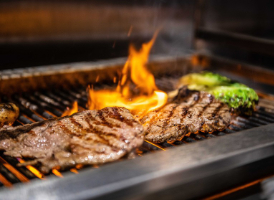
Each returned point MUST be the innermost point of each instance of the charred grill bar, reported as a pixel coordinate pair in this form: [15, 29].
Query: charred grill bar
[159, 168]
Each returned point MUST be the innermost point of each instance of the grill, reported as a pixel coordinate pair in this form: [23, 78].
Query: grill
[196, 35]
[246, 142]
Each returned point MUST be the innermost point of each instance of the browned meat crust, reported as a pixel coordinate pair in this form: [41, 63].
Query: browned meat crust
[89, 137]
[190, 112]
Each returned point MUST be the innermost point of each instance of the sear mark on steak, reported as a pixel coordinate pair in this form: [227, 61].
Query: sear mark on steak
[189, 112]
[88, 137]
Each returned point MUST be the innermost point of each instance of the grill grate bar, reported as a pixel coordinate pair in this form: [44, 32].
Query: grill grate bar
[263, 115]
[70, 101]
[20, 177]
[150, 146]
[27, 111]
[248, 122]
[8, 175]
[17, 123]
[47, 108]
[36, 106]
[179, 142]
[197, 136]
[208, 135]
[80, 92]
[226, 131]
[54, 105]
[267, 105]
[167, 145]
[241, 125]
[33, 170]
[258, 121]
[4, 181]
[266, 110]
[23, 170]
[188, 139]
[29, 104]
[63, 103]
[70, 98]
[64, 96]
[24, 120]
[77, 97]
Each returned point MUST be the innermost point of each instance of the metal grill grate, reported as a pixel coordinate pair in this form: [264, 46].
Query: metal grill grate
[42, 105]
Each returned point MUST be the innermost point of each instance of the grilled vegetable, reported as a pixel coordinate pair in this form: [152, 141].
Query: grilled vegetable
[8, 113]
[237, 96]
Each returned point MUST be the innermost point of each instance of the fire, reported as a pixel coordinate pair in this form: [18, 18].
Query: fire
[32, 169]
[72, 110]
[106, 98]
[149, 96]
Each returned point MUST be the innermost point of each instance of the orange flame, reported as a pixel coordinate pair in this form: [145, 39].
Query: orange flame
[57, 173]
[72, 110]
[32, 169]
[149, 98]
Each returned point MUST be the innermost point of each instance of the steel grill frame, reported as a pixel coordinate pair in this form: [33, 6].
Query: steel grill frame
[140, 173]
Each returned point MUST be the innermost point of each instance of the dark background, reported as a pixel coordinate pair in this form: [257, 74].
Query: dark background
[34, 33]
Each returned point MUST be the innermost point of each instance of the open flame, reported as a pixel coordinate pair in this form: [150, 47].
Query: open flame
[149, 96]
[72, 110]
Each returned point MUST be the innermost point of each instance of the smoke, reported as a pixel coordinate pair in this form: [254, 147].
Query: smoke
[175, 18]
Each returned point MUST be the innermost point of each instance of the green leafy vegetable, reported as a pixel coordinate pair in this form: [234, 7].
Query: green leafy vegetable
[239, 97]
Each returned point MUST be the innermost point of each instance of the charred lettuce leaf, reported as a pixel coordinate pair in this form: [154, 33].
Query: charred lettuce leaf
[239, 97]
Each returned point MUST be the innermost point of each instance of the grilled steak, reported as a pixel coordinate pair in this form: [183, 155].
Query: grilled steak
[88, 137]
[189, 112]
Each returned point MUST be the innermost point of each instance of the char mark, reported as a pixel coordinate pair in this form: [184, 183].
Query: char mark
[218, 108]
[186, 109]
[96, 131]
[73, 121]
[66, 129]
[118, 116]
[104, 121]
[204, 108]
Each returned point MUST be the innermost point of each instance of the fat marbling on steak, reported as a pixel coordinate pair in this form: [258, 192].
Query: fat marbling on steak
[88, 137]
[189, 112]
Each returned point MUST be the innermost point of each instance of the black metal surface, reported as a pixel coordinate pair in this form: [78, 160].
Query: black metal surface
[246, 42]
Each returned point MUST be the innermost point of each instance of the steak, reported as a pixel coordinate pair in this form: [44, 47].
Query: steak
[189, 112]
[88, 137]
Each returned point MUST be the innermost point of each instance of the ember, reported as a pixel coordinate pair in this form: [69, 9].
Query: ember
[149, 97]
